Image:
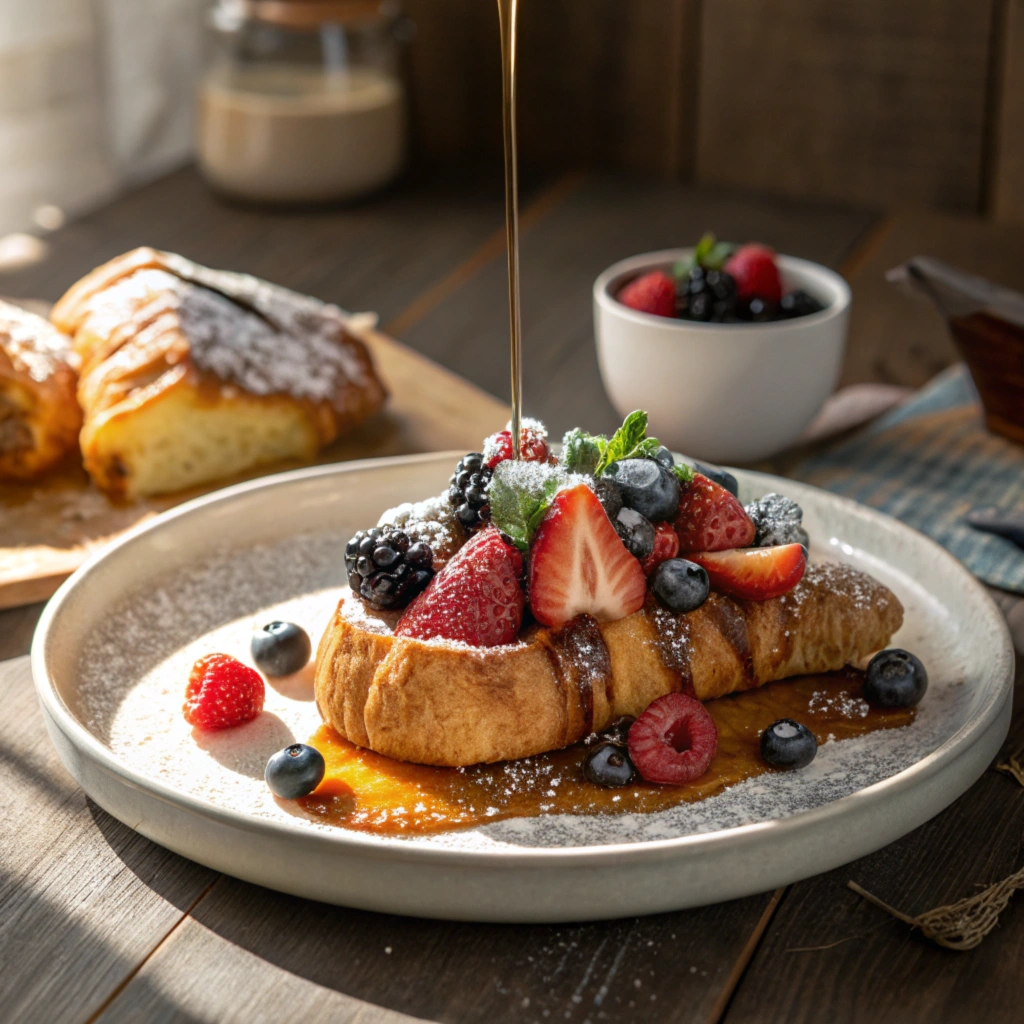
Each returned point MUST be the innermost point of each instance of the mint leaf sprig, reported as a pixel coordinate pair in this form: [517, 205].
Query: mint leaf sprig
[594, 453]
[520, 499]
[709, 254]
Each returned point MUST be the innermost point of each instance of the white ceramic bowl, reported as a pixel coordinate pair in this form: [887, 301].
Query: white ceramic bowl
[722, 392]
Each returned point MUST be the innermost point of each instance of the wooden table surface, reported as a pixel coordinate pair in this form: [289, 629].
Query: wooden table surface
[99, 924]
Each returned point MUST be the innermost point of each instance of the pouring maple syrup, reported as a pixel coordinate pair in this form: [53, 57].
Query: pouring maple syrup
[508, 18]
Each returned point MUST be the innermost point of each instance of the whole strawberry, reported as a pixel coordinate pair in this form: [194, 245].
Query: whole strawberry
[222, 693]
[756, 275]
[711, 519]
[475, 598]
[653, 293]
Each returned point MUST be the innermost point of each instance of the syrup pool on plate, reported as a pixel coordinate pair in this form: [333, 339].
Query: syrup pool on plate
[367, 792]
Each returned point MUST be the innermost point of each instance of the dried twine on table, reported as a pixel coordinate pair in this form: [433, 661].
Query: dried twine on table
[961, 925]
[1014, 767]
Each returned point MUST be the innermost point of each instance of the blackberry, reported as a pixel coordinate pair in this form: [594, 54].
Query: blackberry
[709, 296]
[386, 568]
[467, 490]
[779, 520]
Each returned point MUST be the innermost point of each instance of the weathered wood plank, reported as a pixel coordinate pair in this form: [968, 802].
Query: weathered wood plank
[869, 102]
[897, 338]
[603, 221]
[830, 955]
[16, 628]
[245, 948]
[83, 899]
[602, 84]
[1008, 145]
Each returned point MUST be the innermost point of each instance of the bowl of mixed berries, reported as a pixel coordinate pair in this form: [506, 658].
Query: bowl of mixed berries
[731, 348]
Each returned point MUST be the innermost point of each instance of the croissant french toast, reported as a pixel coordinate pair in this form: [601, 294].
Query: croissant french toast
[189, 375]
[39, 413]
[451, 704]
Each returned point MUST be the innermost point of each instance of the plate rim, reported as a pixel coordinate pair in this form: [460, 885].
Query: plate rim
[593, 855]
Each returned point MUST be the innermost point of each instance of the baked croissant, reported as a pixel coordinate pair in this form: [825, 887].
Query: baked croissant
[39, 414]
[189, 375]
[441, 703]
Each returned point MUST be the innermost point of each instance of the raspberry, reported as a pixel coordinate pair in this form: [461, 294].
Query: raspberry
[653, 293]
[673, 741]
[756, 275]
[222, 693]
[533, 445]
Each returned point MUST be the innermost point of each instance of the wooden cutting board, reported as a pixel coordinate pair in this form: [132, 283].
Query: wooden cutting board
[48, 528]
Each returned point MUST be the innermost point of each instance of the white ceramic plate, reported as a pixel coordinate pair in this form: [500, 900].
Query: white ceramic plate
[114, 645]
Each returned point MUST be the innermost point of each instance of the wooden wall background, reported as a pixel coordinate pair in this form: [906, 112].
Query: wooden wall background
[876, 102]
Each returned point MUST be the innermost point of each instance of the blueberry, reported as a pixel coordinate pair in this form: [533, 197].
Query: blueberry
[295, 771]
[895, 679]
[647, 486]
[664, 457]
[608, 765]
[610, 496]
[636, 532]
[799, 303]
[788, 744]
[680, 585]
[281, 648]
[720, 477]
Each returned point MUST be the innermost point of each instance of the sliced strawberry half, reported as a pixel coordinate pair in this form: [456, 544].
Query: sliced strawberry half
[673, 741]
[579, 565]
[711, 519]
[475, 598]
[754, 574]
[666, 546]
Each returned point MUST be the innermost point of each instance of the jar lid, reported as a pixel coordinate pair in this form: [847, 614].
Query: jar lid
[314, 13]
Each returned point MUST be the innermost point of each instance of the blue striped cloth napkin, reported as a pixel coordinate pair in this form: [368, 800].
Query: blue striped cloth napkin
[929, 462]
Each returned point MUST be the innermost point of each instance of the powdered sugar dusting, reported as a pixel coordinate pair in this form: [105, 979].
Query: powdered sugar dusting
[134, 668]
[432, 521]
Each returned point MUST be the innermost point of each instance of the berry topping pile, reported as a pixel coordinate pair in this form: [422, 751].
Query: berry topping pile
[593, 532]
[222, 693]
[673, 741]
[281, 649]
[386, 568]
[720, 283]
[476, 598]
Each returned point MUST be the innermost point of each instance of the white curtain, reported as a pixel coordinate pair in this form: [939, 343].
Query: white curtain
[94, 95]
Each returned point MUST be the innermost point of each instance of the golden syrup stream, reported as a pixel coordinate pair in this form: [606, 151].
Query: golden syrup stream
[368, 792]
[508, 17]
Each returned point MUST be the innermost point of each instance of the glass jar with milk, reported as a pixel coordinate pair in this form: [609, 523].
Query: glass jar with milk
[302, 100]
